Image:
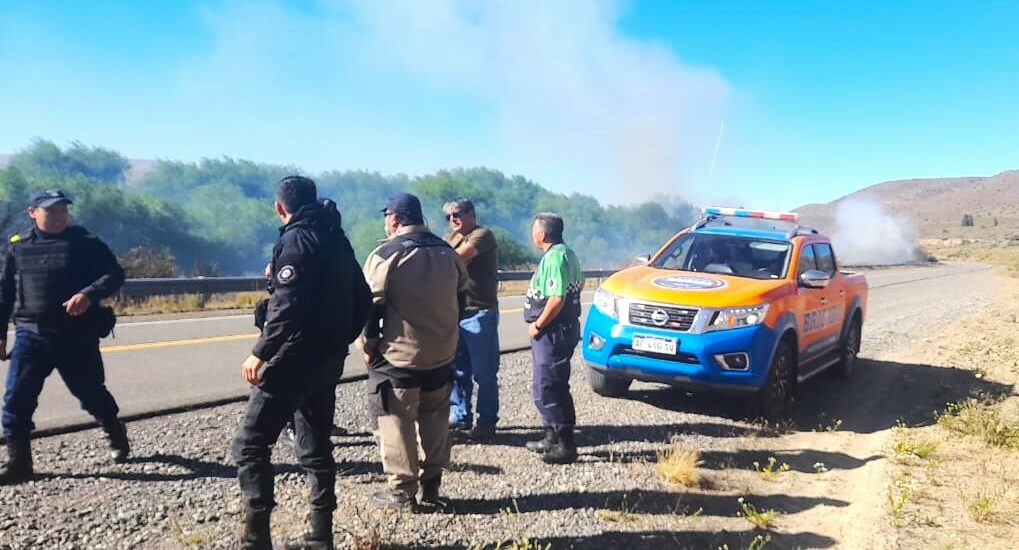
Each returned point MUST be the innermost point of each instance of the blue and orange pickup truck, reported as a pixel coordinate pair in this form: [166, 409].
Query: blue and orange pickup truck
[744, 302]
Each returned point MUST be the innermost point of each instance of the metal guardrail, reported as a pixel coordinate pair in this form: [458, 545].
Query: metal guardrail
[143, 288]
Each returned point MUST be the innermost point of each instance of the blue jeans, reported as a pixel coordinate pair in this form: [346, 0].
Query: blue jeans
[477, 360]
[75, 356]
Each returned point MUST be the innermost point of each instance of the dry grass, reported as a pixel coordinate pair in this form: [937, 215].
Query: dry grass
[189, 303]
[983, 420]
[981, 508]
[678, 465]
[374, 530]
[521, 541]
[954, 483]
[186, 303]
[625, 513]
[1000, 253]
[908, 444]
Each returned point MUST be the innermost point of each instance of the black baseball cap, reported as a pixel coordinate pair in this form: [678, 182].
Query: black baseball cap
[49, 197]
[406, 206]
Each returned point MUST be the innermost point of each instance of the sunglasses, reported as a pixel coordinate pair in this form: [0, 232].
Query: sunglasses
[452, 215]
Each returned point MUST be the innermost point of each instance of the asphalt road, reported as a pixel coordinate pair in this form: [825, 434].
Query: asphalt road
[162, 364]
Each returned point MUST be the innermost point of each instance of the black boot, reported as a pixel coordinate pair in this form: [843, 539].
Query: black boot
[544, 444]
[19, 462]
[430, 491]
[564, 451]
[320, 537]
[120, 447]
[256, 531]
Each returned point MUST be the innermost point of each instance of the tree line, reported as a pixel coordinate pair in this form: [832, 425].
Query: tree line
[214, 217]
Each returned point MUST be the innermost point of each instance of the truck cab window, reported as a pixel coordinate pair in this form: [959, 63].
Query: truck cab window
[807, 261]
[825, 258]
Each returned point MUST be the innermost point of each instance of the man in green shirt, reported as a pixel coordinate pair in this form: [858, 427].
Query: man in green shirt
[477, 354]
[552, 309]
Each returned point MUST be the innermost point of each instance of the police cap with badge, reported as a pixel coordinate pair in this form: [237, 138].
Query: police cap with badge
[50, 197]
[44, 199]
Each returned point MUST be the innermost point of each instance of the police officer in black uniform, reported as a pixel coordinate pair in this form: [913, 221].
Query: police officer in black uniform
[54, 275]
[318, 305]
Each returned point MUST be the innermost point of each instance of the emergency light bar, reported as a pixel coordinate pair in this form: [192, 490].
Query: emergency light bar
[760, 214]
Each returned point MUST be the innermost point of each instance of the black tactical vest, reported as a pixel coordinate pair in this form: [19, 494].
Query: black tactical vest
[50, 269]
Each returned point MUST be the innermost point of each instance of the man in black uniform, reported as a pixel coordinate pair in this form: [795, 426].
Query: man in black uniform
[317, 307]
[53, 277]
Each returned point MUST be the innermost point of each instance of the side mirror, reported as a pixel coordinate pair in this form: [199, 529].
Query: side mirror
[643, 259]
[815, 278]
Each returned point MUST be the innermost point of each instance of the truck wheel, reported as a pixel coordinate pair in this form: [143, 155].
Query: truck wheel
[850, 349]
[609, 386]
[773, 398]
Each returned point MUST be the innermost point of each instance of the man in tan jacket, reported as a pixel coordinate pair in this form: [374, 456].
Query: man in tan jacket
[409, 346]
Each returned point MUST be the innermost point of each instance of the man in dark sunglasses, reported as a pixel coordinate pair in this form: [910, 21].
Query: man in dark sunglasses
[477, 359]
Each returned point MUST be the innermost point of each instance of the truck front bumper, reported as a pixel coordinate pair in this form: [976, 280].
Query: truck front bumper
[607, 347]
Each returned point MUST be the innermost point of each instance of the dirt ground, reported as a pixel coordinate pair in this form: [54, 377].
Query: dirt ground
[890, 474]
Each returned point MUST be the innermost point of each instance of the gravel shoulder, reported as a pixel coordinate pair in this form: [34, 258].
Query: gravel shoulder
[180, 490]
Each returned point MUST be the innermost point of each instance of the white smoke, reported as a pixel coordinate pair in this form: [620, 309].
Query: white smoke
[577, 105]
[867, 235]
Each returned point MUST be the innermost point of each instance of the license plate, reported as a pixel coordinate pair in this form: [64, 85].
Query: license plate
[655, 344]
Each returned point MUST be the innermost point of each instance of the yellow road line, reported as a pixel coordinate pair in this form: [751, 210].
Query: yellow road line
[175, 343]
[213, 339]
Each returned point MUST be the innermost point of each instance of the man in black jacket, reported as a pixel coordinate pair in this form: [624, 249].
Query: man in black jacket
[317, 307]
[52, 279]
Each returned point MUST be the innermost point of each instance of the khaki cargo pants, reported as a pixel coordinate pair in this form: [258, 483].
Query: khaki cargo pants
[412, 427]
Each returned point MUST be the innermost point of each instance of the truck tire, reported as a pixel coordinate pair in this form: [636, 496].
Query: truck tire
[850, 349]
[609, 386]
[773, 398]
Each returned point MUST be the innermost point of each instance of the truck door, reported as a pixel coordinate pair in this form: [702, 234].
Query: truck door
[818, 321]
[833, 299]
[809, 302]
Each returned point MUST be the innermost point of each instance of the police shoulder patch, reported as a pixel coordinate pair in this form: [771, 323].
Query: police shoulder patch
[286, 275]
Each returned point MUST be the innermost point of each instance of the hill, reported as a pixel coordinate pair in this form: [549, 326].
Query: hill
[934, 207]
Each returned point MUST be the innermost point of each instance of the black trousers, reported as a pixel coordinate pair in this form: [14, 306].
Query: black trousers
[306, 394]
[552, 350]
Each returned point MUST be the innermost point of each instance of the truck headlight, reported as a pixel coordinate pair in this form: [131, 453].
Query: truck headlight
[606, 302]
[738, 317]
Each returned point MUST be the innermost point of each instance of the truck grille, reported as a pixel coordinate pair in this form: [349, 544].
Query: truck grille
[658, 316]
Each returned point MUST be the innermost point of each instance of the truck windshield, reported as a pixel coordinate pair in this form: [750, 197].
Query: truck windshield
[726, 255]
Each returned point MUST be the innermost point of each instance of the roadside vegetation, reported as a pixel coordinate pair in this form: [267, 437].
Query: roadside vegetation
[225, 301]
[955, 483]
[214, 216]
[1000, 252]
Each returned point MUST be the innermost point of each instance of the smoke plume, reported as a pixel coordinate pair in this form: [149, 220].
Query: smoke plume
[867, 235]
[577, 105]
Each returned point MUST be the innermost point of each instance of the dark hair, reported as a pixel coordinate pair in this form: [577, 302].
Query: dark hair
[293, 192]
[552, 225]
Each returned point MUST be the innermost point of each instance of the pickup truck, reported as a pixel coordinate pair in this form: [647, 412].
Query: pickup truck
[744, 302]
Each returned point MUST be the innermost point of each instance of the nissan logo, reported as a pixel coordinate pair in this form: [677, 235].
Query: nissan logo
[659, 317]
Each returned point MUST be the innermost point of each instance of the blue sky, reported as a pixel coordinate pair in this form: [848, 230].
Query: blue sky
[622, 100]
